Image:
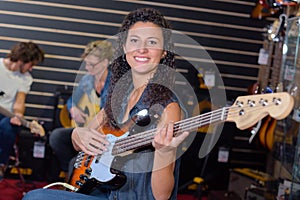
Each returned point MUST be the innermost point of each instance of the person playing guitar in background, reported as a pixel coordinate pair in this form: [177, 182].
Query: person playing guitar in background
[90, 93]
[15, 84]
[140, 93]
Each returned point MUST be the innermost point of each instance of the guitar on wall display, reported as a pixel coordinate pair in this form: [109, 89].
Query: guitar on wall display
[34, 126]
[97, 171]
[269, 76]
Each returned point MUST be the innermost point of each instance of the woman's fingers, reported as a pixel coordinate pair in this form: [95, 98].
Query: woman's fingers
[91, 141]
[165, 138]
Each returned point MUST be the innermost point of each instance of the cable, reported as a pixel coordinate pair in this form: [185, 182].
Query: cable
[66, 185]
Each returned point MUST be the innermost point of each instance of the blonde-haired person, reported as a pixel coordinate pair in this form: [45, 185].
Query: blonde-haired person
[92, 87]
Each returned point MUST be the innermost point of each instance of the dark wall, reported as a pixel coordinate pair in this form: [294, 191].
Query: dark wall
[63, 28]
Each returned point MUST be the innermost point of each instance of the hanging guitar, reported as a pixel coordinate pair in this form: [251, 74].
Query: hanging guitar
[263, 8]
[92, 171]
[275, 36]
[34, 126]
[267, 8]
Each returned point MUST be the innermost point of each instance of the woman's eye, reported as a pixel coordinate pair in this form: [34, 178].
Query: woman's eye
[152, 43]
[133, 40]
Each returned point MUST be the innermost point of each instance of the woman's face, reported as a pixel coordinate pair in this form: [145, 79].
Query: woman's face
[144, 47]
[94, 65]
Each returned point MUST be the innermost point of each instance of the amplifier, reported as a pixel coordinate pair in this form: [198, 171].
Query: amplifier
[243, 179]
[32, 153]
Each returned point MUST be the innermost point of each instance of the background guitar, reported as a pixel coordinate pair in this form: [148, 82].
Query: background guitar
[34, 126]
[89, 106]
[269, 76]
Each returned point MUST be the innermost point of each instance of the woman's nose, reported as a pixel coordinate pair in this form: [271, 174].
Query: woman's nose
[142, 48]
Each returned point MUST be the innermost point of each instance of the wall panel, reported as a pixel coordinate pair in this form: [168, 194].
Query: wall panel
[63, 27]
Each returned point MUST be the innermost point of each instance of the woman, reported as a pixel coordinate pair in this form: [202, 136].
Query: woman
[141, 81]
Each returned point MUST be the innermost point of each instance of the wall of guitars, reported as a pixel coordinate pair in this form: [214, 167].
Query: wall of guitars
[280, 71]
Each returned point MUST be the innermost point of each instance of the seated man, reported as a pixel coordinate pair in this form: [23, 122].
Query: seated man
[15, 84]
[92, 88]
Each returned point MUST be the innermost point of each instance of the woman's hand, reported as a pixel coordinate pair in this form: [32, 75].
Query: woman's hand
[164, 140]
[89, 141]
[78, 115]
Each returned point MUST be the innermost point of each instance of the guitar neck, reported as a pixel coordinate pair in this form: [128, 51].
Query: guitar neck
[144, 139]
[7, 113]
[245, 112]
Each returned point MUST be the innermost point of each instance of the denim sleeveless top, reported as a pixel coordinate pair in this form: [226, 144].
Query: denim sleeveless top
[138, 167]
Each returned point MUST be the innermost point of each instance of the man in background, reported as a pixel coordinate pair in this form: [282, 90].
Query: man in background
[15, 83]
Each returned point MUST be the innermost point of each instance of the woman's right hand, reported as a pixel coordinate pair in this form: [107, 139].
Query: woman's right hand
[89, 141]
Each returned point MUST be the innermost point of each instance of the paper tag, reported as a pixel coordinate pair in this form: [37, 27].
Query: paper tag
[223, 155]
[296, 115]
[263, 57]
[39, 150]
[209, 79]
[289, 73]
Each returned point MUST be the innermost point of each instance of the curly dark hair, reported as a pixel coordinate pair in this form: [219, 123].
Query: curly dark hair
[155, 93]
[26, 52]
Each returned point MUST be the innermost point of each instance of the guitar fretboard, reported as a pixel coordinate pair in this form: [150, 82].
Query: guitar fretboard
[143, 139]
[7, 113]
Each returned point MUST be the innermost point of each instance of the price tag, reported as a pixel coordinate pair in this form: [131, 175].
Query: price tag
[39, 149]
[289, 73]
[296, 115]
[209, 79]
[223, 155]
[263, 57]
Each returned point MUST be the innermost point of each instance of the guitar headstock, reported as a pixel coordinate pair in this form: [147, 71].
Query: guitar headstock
[248, 110]
[36, 128]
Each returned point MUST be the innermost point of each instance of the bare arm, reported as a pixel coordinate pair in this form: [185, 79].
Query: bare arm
[162, 180]
[18, 108]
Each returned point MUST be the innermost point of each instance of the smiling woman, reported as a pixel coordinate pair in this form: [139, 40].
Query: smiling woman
[142, 79]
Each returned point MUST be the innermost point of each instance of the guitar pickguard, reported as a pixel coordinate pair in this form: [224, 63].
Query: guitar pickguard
[98, 172]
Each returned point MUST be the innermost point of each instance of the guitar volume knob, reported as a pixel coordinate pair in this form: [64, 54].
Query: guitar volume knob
[83, 177]
[79, 183]
[88, 171]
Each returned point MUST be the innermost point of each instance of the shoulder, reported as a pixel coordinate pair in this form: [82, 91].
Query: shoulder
[87, 77]
[27, 77]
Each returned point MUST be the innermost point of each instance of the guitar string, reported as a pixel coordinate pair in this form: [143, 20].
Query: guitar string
[142, 139]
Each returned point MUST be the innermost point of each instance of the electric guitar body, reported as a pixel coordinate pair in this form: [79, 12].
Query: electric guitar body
[102, 174]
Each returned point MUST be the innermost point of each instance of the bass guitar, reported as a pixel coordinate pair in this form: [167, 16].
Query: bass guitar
[34, 126]
[98, 171]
